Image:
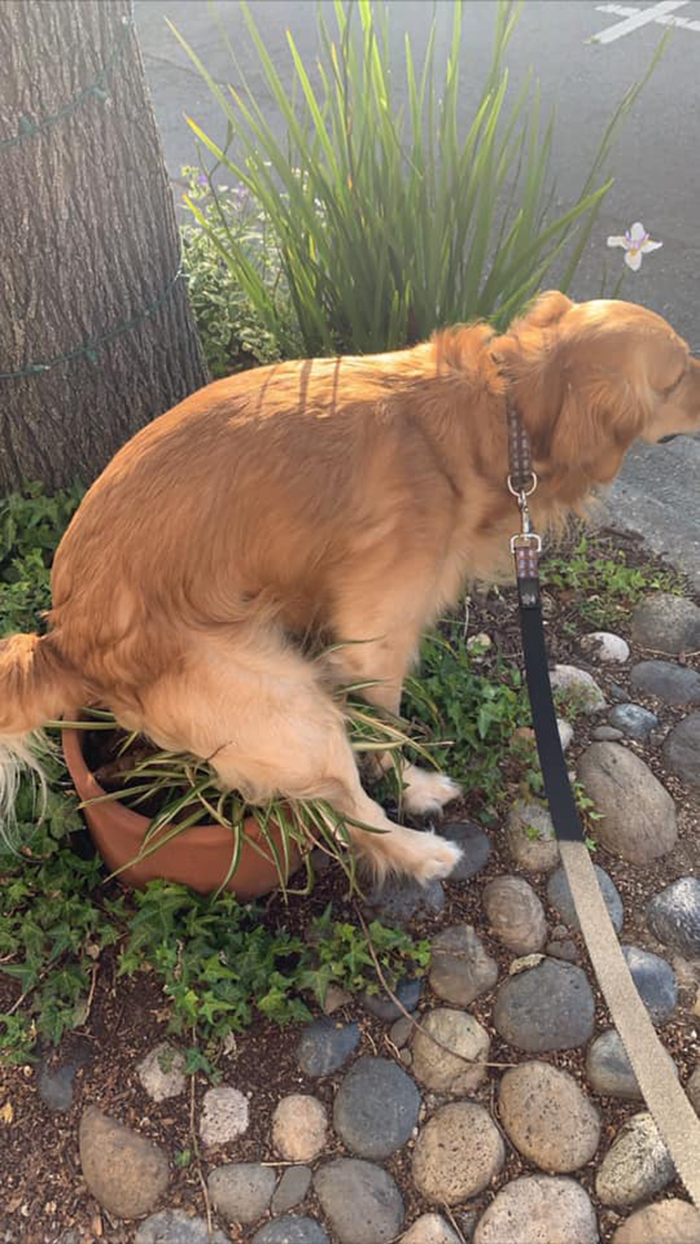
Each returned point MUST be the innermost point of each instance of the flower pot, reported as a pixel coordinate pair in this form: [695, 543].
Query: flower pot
[199, 857]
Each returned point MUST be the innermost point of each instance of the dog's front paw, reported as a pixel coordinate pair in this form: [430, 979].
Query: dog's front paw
[427, 793]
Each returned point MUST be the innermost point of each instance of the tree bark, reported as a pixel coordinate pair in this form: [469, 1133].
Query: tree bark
[89, 246]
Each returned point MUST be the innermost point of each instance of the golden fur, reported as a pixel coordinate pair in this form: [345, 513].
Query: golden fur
[351, 498]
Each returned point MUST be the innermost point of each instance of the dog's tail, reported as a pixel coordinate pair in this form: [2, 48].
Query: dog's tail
[36, 686]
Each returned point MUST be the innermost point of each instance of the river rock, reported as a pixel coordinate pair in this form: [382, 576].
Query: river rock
[560, 896]
[667, 623]
[636, 1166]
[682, 749]
[441, 1071]
[692, 1088]
[607, 734]
[655, 981]
[291, 1189]
[669, 1222]
[609, 1070]
[290, 1230]
[605, 647]
[515, 914]
[474, 844]
[376, 1108]
[408, 993]
[633, 720]
[242, 1191]
[399, 899]
[457, 1154]
[638, 815]
[531, 839]
[460, 966]
[299, 1127]
[674, 916]
[669, 682]
[225, 1115]
[548, 1118]
[578, 687]
[174, 1226]
[126, 1173]
[361, 1201]
[430, 1229]
[546, 1007]
[325, 1044]
[539, 1209]
[162, 1072]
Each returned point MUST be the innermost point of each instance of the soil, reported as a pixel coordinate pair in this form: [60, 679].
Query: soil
[43, 1193]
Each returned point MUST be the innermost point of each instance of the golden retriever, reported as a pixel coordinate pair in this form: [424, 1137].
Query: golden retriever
[349, 497]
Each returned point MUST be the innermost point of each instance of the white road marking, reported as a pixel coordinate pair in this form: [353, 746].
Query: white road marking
[635, 18]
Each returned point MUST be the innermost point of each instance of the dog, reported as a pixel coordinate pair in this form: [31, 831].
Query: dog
[353, 498]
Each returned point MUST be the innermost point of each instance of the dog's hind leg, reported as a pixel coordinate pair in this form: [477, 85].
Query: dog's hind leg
[259, 712]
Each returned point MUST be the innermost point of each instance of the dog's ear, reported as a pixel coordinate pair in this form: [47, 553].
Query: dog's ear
[547, 309]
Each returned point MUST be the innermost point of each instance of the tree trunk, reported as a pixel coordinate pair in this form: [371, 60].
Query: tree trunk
[96, 333]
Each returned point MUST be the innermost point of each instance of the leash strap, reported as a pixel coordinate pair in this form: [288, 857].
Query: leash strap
[667, 1102]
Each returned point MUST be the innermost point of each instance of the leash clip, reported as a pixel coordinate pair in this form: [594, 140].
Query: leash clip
[526, 537]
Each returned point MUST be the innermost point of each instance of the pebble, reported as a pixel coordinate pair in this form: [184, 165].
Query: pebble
[460, 966]
[326, 1044]
[57, 1081]
[515, 914]
[124, 1172]
[579, 687]
[335, 999]
[669, 1222]
[548, 1118]
[607, 734]
[681, 749]
[546, 1007]
[539, 1209]
[225, 1115]
[161, 1072]
[636, 1166]
[241, 1191]
[674, 916]
[669, 682]
[667, 623]
[560, 896]
[638, 817]
[376, 1108]
[361, 1201]
[609, 1070]
[566, 733]
[430, 1229]
[400, 1032]
[174, 1226]
[289, 1230]
[291, 1189]
[399, 899]
[692, 1088]
[605, 647]
[457, 1154]
[440, 1071]
[655, 981]
[299, 1127]
[565, 949]
[382, 1007]
[634, 721]
[475, 844]
[531, 839]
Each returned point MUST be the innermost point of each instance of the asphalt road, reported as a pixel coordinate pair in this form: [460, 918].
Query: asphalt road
[656, 163]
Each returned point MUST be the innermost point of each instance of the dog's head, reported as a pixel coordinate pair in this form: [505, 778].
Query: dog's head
[590, 378]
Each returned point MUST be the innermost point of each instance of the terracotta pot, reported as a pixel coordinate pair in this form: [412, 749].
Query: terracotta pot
[198, 857]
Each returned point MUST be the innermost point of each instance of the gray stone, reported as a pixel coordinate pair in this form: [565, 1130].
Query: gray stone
[638, 817]
[400, 1032]
[547, 1007]
[326, 1044]
[633, 720]
[618, 694]
[225, 1116]
[607, 734]
[655, 981]
[560, 896]
[565, 949]
[376, 1108]
[692, 1088]
[609, 1070]
[299, 1127]
[682, 749]
[539, 1209]
[382, 1007]
[161, 1072]
[566, 733]
[578, 688]
[476, 848]
[430, 1229]
[671, 683]
[460, 966]
[669, 1222]
[289, 1230]
[241, 1191]
[667, 623]
[531, 839]
[124, 1172]
[291, 1189]
[515, 914]
[457, 1154]
[361, 1201]
[637, 1164]
[444, 1072]
[400, 899]
[174, 1226]
[674, 916]
[57, 1080]
[548, 1118]
[605, 647]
